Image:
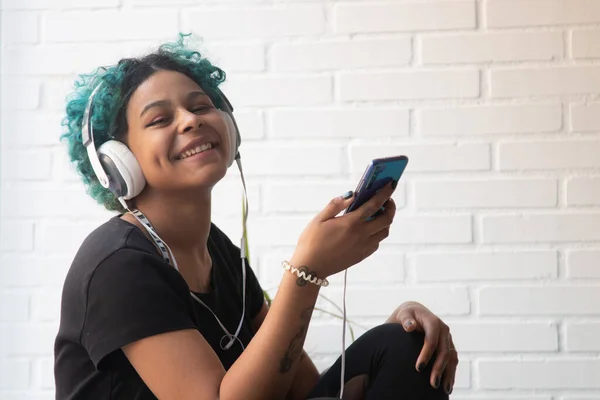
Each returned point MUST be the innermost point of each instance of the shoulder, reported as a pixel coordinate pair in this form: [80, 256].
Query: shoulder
[111, 244]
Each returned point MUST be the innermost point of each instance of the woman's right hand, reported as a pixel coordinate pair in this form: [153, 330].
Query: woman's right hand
[330, 244]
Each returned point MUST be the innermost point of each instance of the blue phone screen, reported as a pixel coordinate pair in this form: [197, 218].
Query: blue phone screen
[379, 173]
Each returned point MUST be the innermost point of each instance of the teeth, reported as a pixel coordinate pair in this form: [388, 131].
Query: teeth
[196, 150]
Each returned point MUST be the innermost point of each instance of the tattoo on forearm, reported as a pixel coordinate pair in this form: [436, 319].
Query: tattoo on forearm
[294, 350]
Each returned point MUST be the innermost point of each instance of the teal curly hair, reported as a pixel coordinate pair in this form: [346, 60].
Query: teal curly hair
[119, 82]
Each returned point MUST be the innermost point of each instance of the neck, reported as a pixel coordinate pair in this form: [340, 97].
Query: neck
[182, 221]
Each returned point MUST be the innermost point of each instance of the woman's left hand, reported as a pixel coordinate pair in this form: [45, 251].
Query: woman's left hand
[414, 316]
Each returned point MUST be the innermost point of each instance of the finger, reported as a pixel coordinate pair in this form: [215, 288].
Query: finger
[365, 211]
[335, 206]
[441, 361]
[450, 372]
[406, 318]
[382, 221]
[432, 332]
[390, 208]
[375, 239]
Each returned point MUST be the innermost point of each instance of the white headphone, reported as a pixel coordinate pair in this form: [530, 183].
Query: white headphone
[117, 168]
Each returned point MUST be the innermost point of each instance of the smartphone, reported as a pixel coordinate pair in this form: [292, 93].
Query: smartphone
[378, 173]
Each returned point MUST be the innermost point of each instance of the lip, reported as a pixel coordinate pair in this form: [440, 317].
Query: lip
[199, 141]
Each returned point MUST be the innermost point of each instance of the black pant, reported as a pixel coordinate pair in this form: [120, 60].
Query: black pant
[387, 354]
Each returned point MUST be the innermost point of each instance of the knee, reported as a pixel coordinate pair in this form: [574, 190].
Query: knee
[393, 338]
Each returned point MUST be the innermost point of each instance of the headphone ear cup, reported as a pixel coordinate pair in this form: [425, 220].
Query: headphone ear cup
[124, 171]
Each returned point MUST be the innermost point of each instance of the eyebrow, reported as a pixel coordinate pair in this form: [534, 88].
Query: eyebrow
[190, 96]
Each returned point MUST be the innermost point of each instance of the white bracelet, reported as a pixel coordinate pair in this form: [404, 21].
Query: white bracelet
[304, 276]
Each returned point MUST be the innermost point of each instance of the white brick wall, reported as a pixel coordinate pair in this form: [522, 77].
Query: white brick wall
[494, 101]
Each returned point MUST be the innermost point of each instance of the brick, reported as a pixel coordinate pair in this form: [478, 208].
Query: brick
[43, 373]
[485, 120]
[491, 47]
[549, 155]
[338, 123]
[583, 192]
[28, 271]
[19, 27]
[381, 17]
[25, 202]
[250, 123]
[504, 397]
[227, 198]
[328, 55]
[312, 196]
[14, 307]
[541, 228]
[582, 336]
[585, 117]
[267, 230]
[583, 264]
[584, 43]
[25, 165]
[526, 82]
[580, 398]
[425, 158]
[89, 26]
[382, 266]
[279, 90]
[20, 94]
[16, 235]
[362, 86]
[499, 337]
[281, 160]
[28, 339]
[14, 373]
[27, 129]
[60, 238]
[46, 306]
[536, 300]
[60, 59]
[256, 21]
[528, 13]
[382, 301]
[483, 266]
[431, 230]
[485, 193]
[238, 57]
[49, 395]
[57, 4]
[568, 373]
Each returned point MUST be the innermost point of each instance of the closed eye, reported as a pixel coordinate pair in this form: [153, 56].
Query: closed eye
[201, 109]
[157, 121]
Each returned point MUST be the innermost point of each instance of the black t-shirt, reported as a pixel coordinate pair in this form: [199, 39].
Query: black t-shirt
[119, 290]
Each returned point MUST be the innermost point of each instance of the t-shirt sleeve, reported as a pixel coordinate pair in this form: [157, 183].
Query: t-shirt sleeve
[130, 298]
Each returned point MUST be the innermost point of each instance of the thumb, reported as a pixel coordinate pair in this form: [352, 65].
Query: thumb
[335, 206]
[407, 319]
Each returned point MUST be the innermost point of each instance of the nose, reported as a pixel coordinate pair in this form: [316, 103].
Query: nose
[189, 121]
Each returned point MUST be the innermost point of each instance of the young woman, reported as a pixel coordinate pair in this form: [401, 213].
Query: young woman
[157, 302]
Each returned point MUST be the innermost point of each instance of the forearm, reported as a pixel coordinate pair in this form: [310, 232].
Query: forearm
[269, 363]
[307, 376]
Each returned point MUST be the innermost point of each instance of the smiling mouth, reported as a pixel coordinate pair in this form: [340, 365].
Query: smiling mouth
[196, 150]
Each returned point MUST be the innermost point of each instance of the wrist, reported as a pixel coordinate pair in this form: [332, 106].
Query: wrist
[315, 268]
[304, 272]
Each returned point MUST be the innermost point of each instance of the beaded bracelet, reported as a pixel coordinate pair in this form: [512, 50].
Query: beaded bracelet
[302, 274]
